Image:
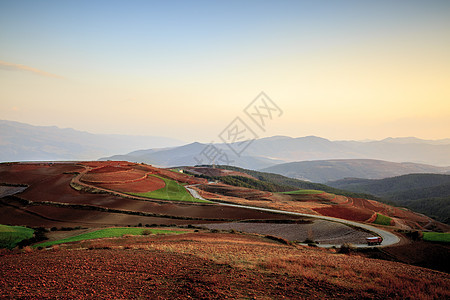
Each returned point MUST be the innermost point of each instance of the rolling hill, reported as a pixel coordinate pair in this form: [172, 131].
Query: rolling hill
[330, 170]
[275, 182]
[425, 193]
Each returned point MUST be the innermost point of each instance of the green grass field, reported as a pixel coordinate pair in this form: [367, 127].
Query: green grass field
[172, 191]
[383, 220]
[10, 236]
[107, 233]
[304, 192]
[437, 237]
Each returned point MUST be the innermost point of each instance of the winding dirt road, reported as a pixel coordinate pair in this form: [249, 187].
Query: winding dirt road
[389, 238]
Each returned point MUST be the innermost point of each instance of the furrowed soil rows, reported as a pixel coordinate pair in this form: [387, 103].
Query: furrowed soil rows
[151, 183]
[344, 212]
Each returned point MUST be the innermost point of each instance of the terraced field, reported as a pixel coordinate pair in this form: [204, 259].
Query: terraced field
[50, 200]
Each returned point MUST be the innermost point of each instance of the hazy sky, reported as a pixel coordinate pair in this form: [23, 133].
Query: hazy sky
[186, 69]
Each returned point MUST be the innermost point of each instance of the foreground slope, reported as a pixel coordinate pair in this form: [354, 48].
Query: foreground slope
[210, 266]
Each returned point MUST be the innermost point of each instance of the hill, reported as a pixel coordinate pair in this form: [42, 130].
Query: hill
[330, 170]
[272, 182]
[24, 142]
[278, 192]
[204, 265]
[425, 193]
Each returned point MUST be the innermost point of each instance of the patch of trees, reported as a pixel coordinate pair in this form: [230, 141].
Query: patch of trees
[38, 236]
[424, 193]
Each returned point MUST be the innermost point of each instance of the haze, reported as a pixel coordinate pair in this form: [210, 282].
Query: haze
[341, 70]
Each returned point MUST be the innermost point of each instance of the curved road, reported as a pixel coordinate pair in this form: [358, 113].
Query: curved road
[388, 237]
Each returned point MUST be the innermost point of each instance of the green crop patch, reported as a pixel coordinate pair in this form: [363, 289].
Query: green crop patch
[383, 220]
[443, 237]
[108, 233]
[304, 192]
[171, 191]
[10, 236]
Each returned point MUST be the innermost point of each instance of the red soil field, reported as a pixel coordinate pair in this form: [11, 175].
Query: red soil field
[49, 216]
[51, 182]
[98, 164]
[54, 186]
[135, 274]
[233, 191]
[21, 173]
[114, 177]
[108, 169]
[345, 212]
[180, 177]
[209, 266]
[151, 183]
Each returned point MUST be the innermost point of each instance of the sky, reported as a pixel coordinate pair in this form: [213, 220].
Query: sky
[342, 70]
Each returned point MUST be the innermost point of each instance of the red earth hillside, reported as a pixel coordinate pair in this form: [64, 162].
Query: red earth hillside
[50, 200]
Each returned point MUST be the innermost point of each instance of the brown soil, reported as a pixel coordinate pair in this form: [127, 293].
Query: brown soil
[109, 169]
[209, 266]
[151, 183]
[420, 253]
[233, 191]
[321, 231]
[48, 216]
[51, 183]
[348, 213]
[114, 177]
[353, 209]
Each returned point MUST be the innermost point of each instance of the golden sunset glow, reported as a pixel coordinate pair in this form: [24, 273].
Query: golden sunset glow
[340, 72]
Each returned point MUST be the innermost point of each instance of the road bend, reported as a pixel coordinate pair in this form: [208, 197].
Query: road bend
[389, 238]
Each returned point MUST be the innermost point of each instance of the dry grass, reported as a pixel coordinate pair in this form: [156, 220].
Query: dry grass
[367, 277]
[350, 272]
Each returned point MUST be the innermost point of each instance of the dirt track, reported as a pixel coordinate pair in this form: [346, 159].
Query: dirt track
[321, 231]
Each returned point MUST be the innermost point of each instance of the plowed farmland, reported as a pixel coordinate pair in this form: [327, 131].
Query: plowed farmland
[209, 266]
[50, 200]
[353, 209]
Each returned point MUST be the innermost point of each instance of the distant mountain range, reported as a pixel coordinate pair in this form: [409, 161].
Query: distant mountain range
[194, 154]
[323, 171]
[316, 148]
[266, 152]
[23, 142]
[425, 193]
[20, 142]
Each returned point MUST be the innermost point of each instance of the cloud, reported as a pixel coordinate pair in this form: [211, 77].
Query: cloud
[15, 67]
